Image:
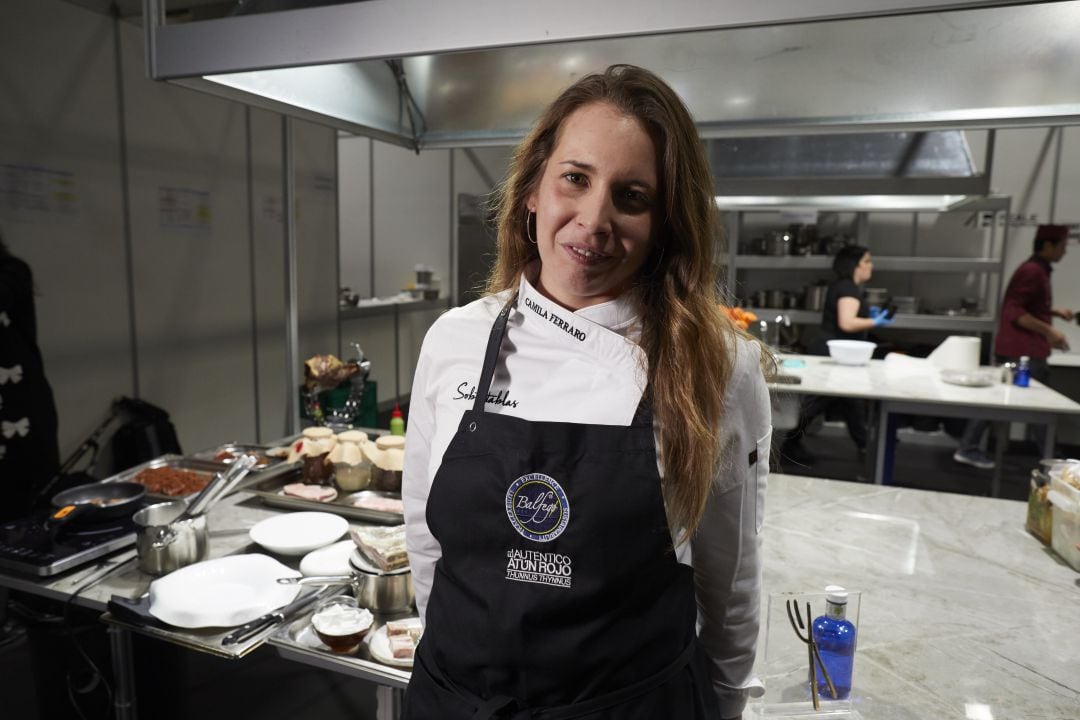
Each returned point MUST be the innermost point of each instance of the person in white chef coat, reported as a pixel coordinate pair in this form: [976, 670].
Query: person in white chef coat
[588, 445]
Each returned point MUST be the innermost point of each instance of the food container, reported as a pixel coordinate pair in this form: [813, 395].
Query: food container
[316, 470]
[1039, 511]
[1065, 521]
[352, 478]
[341, 623]
[205, 470]
[163, 545]
[385, 480]
[851, 352]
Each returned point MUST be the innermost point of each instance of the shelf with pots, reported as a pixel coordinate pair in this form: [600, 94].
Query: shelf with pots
[798, 247]
[882, 263]
[952, 323]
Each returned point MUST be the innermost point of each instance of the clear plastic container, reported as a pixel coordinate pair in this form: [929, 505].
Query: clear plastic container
[1065, 521]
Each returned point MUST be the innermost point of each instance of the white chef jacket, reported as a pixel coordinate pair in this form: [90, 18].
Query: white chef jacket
[585, 367]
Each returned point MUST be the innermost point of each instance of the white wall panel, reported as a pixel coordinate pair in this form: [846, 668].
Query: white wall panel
[412, 215]
[354, 174]
[190, 254]
[59, 133]
[315, 152]
[268, 242]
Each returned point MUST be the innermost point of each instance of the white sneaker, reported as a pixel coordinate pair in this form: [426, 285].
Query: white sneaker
[973, 457]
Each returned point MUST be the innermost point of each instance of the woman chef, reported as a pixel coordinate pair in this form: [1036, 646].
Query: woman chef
[588, 445]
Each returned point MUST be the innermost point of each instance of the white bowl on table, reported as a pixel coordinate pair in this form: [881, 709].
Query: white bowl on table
[298, 533]
[851, 352]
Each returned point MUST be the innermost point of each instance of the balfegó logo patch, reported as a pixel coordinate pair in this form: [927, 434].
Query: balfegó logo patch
[537, 507]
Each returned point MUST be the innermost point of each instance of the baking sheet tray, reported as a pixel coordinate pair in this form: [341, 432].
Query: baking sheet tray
[236, 448]
[269, 490]
[204, 467]
[296, 640]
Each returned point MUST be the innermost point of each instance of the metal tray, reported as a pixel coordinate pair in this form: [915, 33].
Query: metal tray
[269, 490]
[207, 467]
[239, 449]
[296, 640]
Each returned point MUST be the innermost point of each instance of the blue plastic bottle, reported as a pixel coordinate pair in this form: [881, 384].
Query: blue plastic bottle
[1022, 376]
[835, 638]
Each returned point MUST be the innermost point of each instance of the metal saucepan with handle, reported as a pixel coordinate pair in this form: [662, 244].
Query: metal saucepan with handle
[173, 534]
[95, 501]
[384, 593]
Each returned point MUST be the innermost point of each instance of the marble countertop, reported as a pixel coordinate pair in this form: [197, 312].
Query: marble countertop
[963, 613]
[912, 381]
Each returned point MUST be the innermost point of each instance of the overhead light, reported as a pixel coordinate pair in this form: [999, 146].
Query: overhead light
[869, 203]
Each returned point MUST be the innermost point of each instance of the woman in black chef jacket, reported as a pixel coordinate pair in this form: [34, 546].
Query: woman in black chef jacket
[845, 316]
[588, 445]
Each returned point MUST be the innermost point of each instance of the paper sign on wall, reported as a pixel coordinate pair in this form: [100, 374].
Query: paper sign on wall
[27, 191]
[184, 208]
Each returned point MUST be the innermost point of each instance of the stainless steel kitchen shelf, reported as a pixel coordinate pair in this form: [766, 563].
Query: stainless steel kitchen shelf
[958, 323]
[393, 308]
[882, 263]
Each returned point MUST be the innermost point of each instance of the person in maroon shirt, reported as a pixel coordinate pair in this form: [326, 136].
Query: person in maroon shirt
[1025, 327]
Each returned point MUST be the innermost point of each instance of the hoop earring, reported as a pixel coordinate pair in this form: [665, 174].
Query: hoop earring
[528, 220]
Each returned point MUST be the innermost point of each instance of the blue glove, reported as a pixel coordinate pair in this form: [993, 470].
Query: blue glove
[875, 311]
[881, 320]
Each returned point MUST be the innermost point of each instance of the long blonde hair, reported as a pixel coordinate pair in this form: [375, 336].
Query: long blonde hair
[688, 341]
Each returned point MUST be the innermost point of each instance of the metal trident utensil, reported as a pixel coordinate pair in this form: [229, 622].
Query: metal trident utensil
[812, 651]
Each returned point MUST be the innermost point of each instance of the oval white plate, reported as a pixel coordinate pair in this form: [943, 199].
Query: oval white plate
[222, 592]
[379, 645]
[330, 560]
[298, 533]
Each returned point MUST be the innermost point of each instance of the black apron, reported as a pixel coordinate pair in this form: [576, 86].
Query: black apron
[558, 594]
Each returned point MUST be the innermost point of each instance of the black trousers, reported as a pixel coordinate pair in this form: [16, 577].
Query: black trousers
[851, 409]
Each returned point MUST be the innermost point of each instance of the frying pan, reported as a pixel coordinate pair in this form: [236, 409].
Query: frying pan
[98, 501]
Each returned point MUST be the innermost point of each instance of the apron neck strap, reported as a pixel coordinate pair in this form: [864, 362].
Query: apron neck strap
[491, 355]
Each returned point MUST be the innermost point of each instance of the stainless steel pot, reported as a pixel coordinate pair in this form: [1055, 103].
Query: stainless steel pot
[382, 593]
[814, 297]
[876, 296]
[779, 242]
[775, 299]
[163, 544]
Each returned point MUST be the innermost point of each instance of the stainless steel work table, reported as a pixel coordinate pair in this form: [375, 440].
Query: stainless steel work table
[916, 388]
[229, 521]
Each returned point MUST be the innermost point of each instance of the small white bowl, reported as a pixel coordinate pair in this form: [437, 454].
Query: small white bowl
[298, 533]
[851, 352]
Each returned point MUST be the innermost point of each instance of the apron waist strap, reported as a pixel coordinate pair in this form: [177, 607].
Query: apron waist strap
[500, 705]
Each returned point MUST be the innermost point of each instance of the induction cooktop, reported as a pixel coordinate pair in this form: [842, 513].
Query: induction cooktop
[28, 546]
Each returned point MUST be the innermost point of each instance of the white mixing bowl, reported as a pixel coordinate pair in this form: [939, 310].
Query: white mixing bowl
[851, 352]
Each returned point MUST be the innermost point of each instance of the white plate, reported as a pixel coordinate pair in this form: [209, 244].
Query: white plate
[379, 645]
[298, 533]
[971, 378]
[330, 560]
[222, 592]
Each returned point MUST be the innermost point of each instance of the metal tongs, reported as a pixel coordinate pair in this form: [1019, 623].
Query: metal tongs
[812, 651]
[217, 488]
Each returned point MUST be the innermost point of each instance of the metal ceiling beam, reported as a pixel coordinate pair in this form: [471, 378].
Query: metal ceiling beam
[379, 29]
